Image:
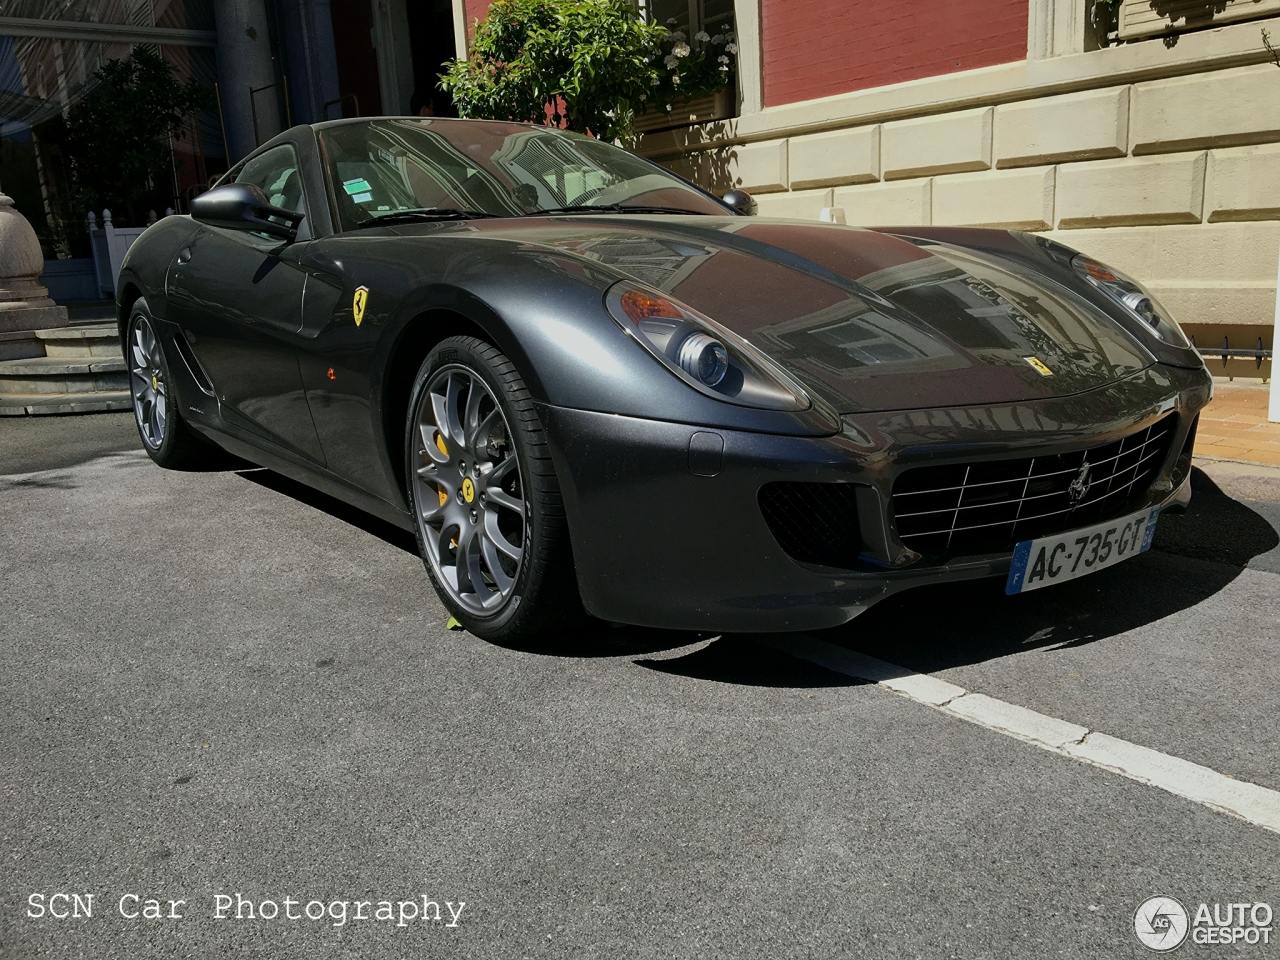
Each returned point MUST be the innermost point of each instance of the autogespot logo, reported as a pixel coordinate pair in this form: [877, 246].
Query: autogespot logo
[1161, 923]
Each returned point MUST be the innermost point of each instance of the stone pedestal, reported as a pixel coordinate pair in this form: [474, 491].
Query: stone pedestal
[24, 302]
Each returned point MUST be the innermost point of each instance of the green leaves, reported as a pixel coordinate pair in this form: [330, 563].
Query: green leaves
[694, 66]
[591, 63]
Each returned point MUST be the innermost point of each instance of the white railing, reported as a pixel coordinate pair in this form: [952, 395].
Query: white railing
[109, 244]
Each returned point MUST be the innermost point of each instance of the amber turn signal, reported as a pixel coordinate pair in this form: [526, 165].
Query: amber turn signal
[639, 305]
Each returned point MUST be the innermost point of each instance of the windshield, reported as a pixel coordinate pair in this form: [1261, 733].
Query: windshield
[392, 168]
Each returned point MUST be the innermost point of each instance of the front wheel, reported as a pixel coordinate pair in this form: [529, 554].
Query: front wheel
[165, 435]
[488, 513]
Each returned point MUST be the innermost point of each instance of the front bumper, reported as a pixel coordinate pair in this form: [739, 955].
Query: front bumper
[668, 532]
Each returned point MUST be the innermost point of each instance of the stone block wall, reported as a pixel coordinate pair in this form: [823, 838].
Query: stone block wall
[1173, 180]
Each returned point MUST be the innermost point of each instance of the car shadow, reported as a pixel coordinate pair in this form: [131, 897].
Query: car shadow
[376, 526]
[738, 659]
[1194, 555]
[599, 639]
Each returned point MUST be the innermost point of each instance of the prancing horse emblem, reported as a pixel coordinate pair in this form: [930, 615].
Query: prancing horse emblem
[1080, 485]
[358, 303]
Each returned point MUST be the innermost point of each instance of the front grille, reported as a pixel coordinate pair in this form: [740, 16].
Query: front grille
[989, 506]
[814, 522]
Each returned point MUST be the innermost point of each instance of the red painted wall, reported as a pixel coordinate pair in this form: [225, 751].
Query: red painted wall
[476, 9]
[816, 48]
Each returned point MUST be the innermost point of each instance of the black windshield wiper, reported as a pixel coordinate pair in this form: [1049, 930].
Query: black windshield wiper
[612, 208]
[426, 215]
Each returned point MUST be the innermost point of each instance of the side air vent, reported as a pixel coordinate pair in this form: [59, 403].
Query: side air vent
[814, 522]
[192, 364]
[1182, 466]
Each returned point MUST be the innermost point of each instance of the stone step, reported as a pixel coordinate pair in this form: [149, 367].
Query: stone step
[90, 340]
[105, 329]
[18, 405]
[20, 345]
[63, 375]
[77, 369]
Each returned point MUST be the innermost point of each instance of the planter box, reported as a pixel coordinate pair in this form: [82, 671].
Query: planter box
[686, 112]
[71, 280]
[1151, 18]
[109, 244]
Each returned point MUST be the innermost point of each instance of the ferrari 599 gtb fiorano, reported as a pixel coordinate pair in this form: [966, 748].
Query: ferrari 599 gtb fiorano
[587, 385]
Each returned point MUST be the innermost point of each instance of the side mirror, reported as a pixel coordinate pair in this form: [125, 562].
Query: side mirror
[242, 206]
[741, 201]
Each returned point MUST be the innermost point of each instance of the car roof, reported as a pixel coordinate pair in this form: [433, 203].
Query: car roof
[329, 124]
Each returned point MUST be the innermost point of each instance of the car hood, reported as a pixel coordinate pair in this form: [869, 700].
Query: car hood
[867, 320]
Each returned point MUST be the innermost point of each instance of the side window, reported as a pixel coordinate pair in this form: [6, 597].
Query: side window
[276, 174]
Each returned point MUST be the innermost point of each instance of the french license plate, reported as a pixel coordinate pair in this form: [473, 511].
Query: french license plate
[1056, 559]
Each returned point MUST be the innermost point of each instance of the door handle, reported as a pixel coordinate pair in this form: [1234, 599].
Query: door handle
[184, 254]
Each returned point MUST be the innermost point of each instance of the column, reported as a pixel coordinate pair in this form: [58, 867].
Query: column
[244, 61]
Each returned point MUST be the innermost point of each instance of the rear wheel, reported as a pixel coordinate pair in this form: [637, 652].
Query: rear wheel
[487, 507]
[165, 435]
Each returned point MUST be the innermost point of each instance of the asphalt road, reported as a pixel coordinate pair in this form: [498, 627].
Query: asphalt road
[220, 683]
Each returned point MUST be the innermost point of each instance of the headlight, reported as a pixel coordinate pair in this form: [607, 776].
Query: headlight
[1133, 297]
[699, 351]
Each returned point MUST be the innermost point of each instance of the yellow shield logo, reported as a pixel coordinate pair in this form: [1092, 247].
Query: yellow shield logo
[1038, 366]
[358, 302]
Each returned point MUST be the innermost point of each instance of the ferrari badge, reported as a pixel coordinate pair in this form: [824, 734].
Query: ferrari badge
[1035, 362]
[357, 303]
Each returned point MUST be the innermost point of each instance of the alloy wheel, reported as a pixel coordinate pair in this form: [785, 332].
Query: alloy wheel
[468, 490]
[147, 383]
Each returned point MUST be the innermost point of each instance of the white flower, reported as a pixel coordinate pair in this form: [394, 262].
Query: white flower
[730, 48]
[672, 21]
[654, 82]
[668, 108]
[671, 60]
[675, 80]
[678, 35]
[723, 68]
[702, 36]
[680, 49]
[718, 38]
[730, 35]
[722, 59]
[644, 97]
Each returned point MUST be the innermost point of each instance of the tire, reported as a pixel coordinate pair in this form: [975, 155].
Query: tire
[166, 437]
[482, 487]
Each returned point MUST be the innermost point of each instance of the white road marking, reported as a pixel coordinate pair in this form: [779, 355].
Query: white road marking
[1238, 798]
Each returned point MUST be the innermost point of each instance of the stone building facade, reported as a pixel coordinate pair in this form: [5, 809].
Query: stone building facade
[1159, 155]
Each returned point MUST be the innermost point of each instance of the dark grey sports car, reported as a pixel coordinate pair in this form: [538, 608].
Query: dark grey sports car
[589, 386]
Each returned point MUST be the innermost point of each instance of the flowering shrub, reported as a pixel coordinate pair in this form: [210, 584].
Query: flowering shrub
[693, 67]
[590, 65]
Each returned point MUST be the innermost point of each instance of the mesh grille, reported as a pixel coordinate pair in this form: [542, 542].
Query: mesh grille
[814, 522]
[989, 506]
